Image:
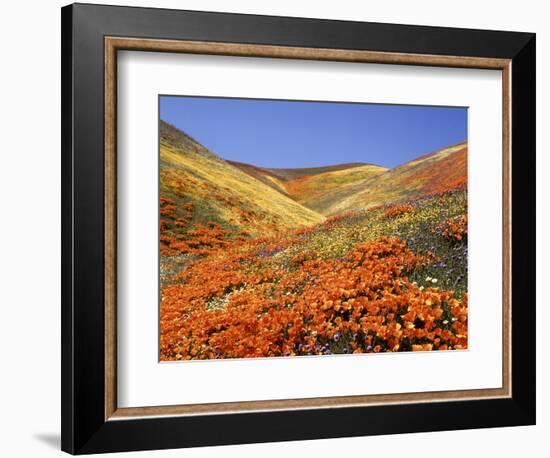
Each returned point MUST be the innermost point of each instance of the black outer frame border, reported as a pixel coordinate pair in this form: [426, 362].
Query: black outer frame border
[84, 429]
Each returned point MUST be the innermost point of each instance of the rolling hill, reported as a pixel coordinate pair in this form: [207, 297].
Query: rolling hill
[345, 187]
[264, 175]
[443, 170]
[350, 258]
[311, 186]
[312, 190]
[200, 189]
[295, 173]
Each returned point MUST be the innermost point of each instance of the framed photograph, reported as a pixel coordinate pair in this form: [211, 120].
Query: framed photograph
[282, 228]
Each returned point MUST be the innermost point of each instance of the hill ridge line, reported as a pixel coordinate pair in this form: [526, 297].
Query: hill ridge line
[330, 189]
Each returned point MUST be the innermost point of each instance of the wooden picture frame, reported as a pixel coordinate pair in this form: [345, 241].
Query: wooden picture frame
[91, 37]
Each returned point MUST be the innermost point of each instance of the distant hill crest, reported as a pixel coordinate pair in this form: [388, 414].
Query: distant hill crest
[316, 192]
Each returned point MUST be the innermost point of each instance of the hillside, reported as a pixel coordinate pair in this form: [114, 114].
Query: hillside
[250, 266]
[264, 175]
[311, 186]
[204, 197]
[294, 173]
[346, 187]
[443, 170]
[312, 191]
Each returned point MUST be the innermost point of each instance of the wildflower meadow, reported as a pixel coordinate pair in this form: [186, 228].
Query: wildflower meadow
[248, 270]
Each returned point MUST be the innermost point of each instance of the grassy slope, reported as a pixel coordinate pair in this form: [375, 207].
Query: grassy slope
[264, 175]
[312, 190]
[220, 192]
[292, 174]
[446, 168]
[311, 186]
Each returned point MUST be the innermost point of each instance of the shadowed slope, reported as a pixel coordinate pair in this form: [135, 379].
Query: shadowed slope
[294, 173]
[264, 175]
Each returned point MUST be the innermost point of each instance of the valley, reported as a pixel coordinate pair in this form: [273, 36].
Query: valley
[344, 258]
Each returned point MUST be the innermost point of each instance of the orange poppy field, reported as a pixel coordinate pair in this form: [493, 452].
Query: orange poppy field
[350, 258]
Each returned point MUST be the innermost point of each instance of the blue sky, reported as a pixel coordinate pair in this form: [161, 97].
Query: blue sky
[270, 133]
